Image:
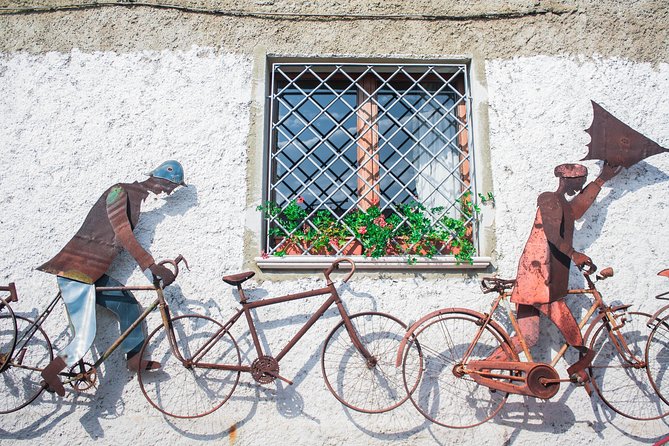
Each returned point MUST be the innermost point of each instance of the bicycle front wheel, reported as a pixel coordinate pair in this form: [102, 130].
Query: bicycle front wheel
[445, 395]
[619, 371]
[184, 386]
[20, 378]
[369, 385]
[657, 358]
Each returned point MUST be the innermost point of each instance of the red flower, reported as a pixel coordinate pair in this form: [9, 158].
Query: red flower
[300, 200]
[380, 221]
[455, 250]
[362, 230]
[264, 255]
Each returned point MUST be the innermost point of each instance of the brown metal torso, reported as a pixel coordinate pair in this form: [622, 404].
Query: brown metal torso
[543, 270]
[87, 256]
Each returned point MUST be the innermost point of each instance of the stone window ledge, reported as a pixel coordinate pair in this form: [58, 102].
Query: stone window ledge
[362, 263]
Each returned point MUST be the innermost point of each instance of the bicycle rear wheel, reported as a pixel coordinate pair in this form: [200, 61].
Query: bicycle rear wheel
[621, 380]
[372, 386]
[657, 358]
[20, 379]
[184, 387]
[444, 394]
[7, 333]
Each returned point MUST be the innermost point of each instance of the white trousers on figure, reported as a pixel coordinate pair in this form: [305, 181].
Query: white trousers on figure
[79, 299]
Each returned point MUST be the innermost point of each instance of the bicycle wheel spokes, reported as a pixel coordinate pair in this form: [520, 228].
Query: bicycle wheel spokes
[444, 395]
[620, 380]
[184, 390]
[370, 386]
[20, 379]
[657, 357]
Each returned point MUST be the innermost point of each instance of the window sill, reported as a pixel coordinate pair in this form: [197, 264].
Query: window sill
[368, 263]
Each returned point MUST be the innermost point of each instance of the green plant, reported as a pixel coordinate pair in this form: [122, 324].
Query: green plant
[413, 230]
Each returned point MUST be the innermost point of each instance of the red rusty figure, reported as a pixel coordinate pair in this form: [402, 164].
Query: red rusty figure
[543, 269]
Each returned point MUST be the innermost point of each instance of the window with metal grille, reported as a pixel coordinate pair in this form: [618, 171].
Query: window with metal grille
[369, 159]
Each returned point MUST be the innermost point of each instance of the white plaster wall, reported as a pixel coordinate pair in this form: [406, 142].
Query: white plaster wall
[72, 124]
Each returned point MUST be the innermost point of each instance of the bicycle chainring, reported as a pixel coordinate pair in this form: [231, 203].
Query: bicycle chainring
[540, 389]
[83, 376]
[265, 369]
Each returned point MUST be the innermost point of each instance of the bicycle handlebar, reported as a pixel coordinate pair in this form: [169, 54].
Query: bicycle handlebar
[11, 289]
[591, 268]
[335, 265]
[175, 264]
[13, 296]
[157, 282]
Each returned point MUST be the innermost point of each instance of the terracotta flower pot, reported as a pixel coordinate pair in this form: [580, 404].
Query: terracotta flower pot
[293, 248]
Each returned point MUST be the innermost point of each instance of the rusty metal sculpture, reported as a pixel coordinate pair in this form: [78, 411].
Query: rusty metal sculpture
[615, 142]
[26, 351]
[461, 344]
[543, 269]
[202, 362]
[459, 347]
[81, 266]
[657, 348]
[357, 360]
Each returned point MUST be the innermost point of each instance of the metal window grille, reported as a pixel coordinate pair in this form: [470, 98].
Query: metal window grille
[353, 140]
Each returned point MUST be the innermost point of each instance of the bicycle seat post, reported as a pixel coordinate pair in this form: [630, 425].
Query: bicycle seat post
[242, 296]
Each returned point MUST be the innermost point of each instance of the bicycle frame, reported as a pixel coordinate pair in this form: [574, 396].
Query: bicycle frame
[246, 311]
[598, 304]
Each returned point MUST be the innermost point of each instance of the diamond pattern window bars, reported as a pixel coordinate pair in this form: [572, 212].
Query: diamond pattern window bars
[375, 156]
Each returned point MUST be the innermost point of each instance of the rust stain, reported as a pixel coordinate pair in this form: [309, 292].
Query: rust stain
[233, 434]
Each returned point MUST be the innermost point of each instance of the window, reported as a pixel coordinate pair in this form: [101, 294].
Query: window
[369, 159]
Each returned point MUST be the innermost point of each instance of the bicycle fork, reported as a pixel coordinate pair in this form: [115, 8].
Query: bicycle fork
[370, 360]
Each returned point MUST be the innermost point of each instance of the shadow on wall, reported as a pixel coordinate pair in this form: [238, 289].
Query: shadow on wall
[628, 181]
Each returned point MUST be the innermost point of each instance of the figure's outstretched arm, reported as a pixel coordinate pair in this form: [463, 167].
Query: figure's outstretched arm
[117, 211]
[582, 202]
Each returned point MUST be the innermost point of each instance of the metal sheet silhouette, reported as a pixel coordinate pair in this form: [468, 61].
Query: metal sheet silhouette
[543, 270]
[81, 266]
[615, 142]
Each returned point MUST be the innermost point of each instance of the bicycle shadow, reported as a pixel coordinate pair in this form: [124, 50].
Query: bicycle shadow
[48, 410]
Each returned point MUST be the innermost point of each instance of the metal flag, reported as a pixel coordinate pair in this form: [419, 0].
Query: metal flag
[617, 143]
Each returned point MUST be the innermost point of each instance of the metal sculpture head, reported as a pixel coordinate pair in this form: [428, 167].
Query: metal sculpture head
[171, 171]
[572, 178]
[617, 143]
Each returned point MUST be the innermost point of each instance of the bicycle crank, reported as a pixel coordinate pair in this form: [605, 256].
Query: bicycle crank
[526, 378]
[265, 369]
[82, 376]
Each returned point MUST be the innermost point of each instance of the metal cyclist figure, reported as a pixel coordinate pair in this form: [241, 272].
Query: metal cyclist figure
[543, 269]
[81, 266]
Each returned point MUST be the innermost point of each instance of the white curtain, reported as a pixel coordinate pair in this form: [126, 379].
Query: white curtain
[434, 155]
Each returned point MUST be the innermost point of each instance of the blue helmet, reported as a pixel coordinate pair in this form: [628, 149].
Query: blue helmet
[171, 171]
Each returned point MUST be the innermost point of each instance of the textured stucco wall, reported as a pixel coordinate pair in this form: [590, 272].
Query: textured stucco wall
[91, 97]
[75, 122]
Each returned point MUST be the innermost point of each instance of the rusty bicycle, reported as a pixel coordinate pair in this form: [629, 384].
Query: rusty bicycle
[202, 364]
[459, 386]
[25, 348]
[657, 347]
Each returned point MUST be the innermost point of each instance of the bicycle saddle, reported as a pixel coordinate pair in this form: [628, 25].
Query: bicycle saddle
[490, 284]
[238, 279]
